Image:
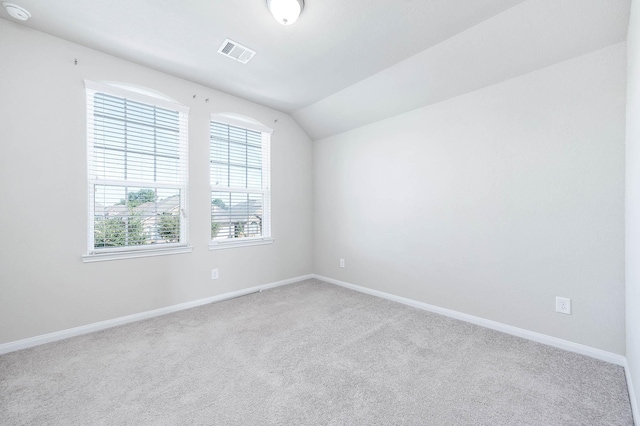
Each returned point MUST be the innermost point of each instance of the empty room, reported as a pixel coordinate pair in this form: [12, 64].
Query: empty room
[320, 212]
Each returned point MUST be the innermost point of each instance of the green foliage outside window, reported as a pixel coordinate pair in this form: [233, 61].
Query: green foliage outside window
[215, 228]
[118, 231]
[169, 227]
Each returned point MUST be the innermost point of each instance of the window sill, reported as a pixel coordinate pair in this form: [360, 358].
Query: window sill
[239, 243]
[101, 257]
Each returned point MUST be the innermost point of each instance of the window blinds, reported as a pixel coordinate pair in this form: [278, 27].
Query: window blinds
[137, 169]
[240, 182]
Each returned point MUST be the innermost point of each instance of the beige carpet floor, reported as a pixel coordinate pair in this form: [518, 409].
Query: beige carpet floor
[309, 353]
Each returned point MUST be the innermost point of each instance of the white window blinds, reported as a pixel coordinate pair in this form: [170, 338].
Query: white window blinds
[137, 169]
[240, 182]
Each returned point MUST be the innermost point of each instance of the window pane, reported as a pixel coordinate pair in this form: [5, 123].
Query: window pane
[167, 169]
[140, 139]
[166, 118]
[109, 200]
[136, 142]
[108, 164]
[219, 174]
[167, 218]
[109, 106]
[237, 135]
[140, 167]
[140, 113]
[237, 154]
[254, 156]
[108, 133]
[220, 202]
[111, 217]
[237, 162]
[220, 150]
[133, 216]
[254, 178]
[237, 177]
[167, 142]
[236, 215]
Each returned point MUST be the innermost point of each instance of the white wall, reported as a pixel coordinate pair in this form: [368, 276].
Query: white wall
[491, 203]
[44, 286]
[633, 199]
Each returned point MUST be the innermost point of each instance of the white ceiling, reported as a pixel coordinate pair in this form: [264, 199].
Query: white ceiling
[344, 63]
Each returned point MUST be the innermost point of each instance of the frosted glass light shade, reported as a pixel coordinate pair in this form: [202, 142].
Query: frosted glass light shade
[285, 11]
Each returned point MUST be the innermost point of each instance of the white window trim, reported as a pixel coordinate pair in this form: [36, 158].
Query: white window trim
[240, 242]
[250, 124]
[137, 94]
[114, 253]
[131, 254]
[241, 121]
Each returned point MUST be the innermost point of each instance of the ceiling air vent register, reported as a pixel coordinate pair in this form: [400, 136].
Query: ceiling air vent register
[236, 51]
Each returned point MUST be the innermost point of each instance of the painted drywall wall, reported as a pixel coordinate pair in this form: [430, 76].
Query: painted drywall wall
[632, 199]
[44, 285]
[492, 203]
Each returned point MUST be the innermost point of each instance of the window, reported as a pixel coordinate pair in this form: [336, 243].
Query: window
[240, 182]
[137, 170]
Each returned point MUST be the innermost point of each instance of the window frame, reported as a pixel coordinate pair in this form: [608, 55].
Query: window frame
[154, 99]
[245, 123]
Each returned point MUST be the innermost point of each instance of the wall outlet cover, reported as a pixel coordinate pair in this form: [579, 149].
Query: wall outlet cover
[563, 305]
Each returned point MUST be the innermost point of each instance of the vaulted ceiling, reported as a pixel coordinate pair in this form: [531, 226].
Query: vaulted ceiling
[344, 63]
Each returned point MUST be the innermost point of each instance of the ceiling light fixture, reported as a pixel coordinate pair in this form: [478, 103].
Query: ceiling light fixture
[16, 11]
[285, 11]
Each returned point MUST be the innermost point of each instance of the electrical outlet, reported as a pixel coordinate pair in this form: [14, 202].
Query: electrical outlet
[342, 263]
[563, 305]
[214, 274]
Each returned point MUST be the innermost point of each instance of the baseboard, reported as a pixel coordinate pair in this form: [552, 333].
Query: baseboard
[494, 325]
[632, 393]
[90, 328]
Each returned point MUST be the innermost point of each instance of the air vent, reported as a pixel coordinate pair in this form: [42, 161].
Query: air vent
[236, 51]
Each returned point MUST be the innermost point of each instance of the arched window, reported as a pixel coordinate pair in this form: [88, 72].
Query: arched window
[137, 173]
[240, 181]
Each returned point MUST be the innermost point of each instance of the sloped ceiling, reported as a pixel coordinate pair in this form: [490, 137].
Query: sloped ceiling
[344, 63]
[530, 36]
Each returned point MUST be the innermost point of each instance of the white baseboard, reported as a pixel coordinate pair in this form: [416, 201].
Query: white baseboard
[632, 393]
[494, 325]
[97, 326]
